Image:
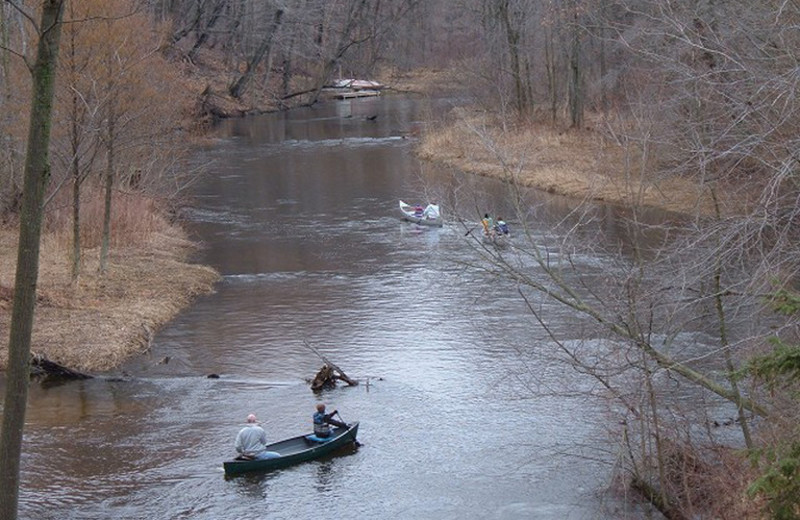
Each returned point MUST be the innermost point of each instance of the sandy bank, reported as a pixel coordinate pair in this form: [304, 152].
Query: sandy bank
[99, 322]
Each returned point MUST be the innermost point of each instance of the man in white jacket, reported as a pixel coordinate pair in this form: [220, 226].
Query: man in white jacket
[251, 442]
[432, 211]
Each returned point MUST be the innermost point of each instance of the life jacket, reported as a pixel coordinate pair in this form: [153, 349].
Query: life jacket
[321, 427]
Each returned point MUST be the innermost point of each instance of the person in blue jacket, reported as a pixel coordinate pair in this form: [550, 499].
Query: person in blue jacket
[323, 421]
[502, 227]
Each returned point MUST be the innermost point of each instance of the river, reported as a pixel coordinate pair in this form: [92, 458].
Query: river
[298, 212]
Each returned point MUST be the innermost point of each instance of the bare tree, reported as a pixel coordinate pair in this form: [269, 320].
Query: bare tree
[37, 172]
[710, 100]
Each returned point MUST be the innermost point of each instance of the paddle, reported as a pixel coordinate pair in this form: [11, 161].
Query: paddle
[341, 419]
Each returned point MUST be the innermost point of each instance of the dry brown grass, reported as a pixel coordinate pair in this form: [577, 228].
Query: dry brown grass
[98, 322]
[421, 81]
[579, 164]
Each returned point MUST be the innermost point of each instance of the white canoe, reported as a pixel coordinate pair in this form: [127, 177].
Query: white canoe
[408, 215]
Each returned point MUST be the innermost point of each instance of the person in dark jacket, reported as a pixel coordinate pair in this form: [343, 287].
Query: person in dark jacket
[323, 422]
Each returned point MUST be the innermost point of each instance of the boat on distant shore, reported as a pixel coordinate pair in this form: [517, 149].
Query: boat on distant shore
[294, 451]
[415, 214]
[351, 88]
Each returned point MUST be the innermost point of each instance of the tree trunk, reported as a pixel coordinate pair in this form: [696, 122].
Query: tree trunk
[575, 77]
[75, 131]
[109, 185]
[7, 185]
[513, 37]
[238, 88]
[76, 207]
[550, 66]
[3, 48]
[37, 173]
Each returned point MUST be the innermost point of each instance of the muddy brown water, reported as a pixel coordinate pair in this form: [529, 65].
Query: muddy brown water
[298, 212]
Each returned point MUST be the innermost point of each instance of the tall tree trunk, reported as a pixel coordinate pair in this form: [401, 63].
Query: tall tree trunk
[7, 184]
[513, 37]
[37, 173]
[603, 69]
[76, 120]
[575, 76]
[109, 186]
[550, 66]
[76, 194]
[4, 40]
[239, 86]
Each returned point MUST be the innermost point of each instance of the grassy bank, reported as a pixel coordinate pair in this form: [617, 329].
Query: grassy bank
[99, 321]
[580, 164]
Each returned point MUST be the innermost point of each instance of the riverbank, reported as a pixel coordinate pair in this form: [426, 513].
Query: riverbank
[581, 164]
[95, 324]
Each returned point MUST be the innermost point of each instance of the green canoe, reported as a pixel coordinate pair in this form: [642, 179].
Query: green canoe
[294, 450]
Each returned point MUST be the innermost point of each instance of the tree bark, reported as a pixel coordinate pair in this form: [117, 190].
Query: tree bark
[37, 173]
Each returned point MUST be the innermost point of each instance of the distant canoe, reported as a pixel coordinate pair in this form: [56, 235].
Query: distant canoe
[408, 215]
[294, 451]
[357, 84]
[496, 239]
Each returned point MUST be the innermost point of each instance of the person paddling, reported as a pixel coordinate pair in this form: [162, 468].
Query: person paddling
[322, 422]
[502, 227]
[488, 225]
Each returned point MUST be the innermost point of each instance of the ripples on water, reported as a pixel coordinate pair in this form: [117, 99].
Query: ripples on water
[457, 419]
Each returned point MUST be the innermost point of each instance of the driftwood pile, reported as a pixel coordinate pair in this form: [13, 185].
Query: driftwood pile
[329, 374]
[44, 368]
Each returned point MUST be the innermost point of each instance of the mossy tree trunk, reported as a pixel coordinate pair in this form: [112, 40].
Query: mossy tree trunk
[37, 173]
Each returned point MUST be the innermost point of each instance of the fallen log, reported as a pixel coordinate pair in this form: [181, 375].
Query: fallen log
[329, 373]
[44, 368]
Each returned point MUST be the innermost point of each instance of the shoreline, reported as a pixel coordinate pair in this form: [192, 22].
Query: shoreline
[99, 322]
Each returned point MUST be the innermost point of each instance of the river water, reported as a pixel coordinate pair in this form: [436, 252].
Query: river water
[299, 214]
